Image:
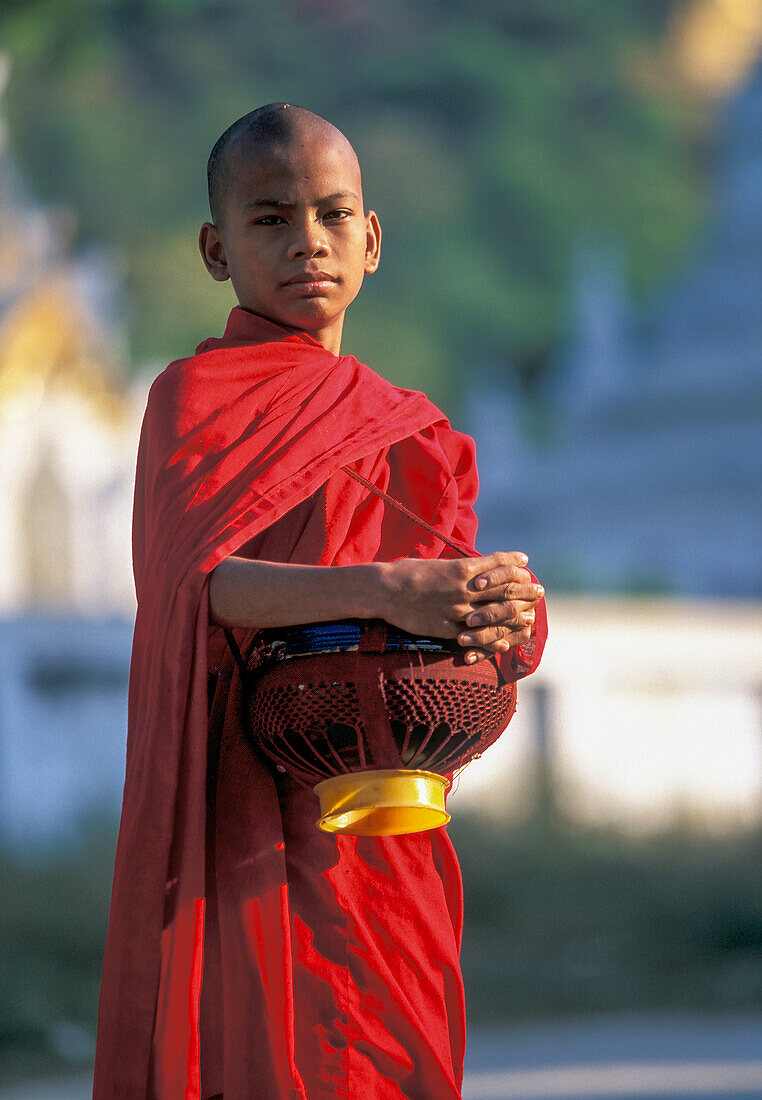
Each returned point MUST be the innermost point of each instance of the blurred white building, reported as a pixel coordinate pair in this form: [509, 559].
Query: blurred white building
[68, 424]
[643, 713]
[63, 724]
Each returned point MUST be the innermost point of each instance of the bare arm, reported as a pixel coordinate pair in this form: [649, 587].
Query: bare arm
[257, 594]
[432, 598]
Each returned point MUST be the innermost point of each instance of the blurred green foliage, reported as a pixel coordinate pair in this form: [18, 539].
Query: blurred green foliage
[492, 135]
[565, 919]
[52, 934]
[559, 920]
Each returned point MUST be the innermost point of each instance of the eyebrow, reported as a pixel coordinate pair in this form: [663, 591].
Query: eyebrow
[279, 204]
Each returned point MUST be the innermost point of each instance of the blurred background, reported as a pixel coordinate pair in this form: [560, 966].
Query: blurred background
[571, 197]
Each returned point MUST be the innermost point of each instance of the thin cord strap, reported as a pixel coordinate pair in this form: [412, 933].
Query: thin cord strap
[237, 656]
[406, 511]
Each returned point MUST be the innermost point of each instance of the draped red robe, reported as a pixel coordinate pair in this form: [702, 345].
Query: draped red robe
[329, 965]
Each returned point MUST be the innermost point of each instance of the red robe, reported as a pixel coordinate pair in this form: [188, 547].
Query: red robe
[330, 965]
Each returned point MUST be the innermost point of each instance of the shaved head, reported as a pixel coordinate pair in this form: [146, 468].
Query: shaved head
[261, 133]
[289, 228]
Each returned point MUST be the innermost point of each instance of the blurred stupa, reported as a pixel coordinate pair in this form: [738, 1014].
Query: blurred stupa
[67, 426]
[716, 43]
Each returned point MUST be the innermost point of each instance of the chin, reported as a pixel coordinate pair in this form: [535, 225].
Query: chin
[312, 318]
[303, 319]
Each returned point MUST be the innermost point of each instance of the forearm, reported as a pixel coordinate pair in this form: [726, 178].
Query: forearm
[428, 597]
[257, 594]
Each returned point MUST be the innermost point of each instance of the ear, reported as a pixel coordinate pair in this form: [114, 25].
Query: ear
[212, 252]
[372, 242]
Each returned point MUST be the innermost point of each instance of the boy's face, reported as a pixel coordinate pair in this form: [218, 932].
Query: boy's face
[293, 237]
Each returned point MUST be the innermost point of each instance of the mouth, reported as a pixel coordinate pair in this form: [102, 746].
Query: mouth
[311, 282]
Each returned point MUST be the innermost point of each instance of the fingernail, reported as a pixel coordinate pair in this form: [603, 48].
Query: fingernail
[539, 590]
[523, 558]
[482, 582]
[475, 619]
[465, 639]
[470, 658]
[529, 617]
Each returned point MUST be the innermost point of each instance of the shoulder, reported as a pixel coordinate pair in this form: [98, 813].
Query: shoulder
[459, 447]
[167, 382]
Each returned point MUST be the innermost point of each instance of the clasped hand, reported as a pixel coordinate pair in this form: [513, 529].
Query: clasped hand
[488, 604]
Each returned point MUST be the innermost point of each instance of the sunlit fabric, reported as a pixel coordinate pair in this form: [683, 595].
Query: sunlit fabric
[249, 954]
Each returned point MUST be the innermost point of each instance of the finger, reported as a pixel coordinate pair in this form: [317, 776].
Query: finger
[519, 590]
[501, 560]
[529, 594]
[510, 613]
[497, 578]
[502, 645]
[475, 655]
[487, 636]
[505, 645]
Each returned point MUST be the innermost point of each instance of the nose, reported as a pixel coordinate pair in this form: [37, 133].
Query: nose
[309, 239]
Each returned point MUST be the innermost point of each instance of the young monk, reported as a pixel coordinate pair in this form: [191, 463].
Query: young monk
[251, 956]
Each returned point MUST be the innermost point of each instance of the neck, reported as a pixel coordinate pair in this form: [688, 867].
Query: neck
[329, 335]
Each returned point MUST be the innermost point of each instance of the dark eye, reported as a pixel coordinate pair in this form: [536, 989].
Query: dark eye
[337, 215]
[269, 219]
